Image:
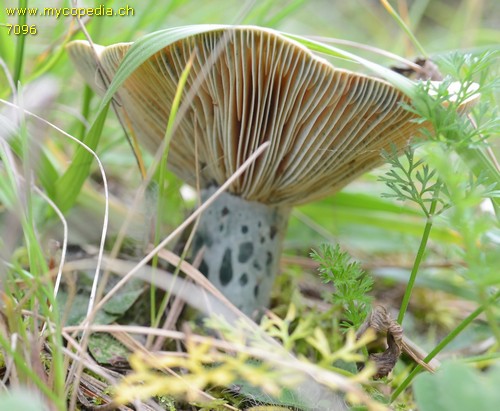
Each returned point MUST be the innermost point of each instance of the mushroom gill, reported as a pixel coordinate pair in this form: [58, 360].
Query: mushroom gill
[249, 85]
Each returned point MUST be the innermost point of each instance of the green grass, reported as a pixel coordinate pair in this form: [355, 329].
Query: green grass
[437, 240]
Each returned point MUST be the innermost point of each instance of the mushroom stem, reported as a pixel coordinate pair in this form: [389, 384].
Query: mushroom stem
[243, 241]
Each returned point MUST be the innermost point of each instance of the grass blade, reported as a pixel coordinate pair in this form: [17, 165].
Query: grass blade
[69, 185]
[400, 82]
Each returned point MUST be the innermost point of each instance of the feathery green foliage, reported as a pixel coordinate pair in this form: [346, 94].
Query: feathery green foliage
[351, 283]
[413, 180]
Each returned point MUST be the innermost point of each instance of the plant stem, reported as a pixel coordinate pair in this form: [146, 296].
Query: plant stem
[403, 25]
[449, 338]
[85, 111]
[161, 205]
[21, 21]
[419, 257]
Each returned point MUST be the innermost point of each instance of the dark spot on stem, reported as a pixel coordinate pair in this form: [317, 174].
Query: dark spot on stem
[256, 291]
[243, 279]
[204, 268]
[244, 229]
[225, 211]
[208, 240]
[226, 268]
[245, 252]
[256, 265]
[269, 259]
[272, 232]
[198, 243]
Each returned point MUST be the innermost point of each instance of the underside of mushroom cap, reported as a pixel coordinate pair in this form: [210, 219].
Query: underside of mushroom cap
[249, 85]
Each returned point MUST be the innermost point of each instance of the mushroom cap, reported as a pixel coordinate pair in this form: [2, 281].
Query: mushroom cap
[248, 85]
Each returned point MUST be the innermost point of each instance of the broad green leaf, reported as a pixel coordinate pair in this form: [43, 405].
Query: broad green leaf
[75, 307]
[126, 297]
[75, 311]
[107, 350]
[458, 387]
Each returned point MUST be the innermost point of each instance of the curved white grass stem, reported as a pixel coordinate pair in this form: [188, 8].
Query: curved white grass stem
[106, 196]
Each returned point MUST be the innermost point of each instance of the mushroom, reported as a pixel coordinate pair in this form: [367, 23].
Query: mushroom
[246, 86]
